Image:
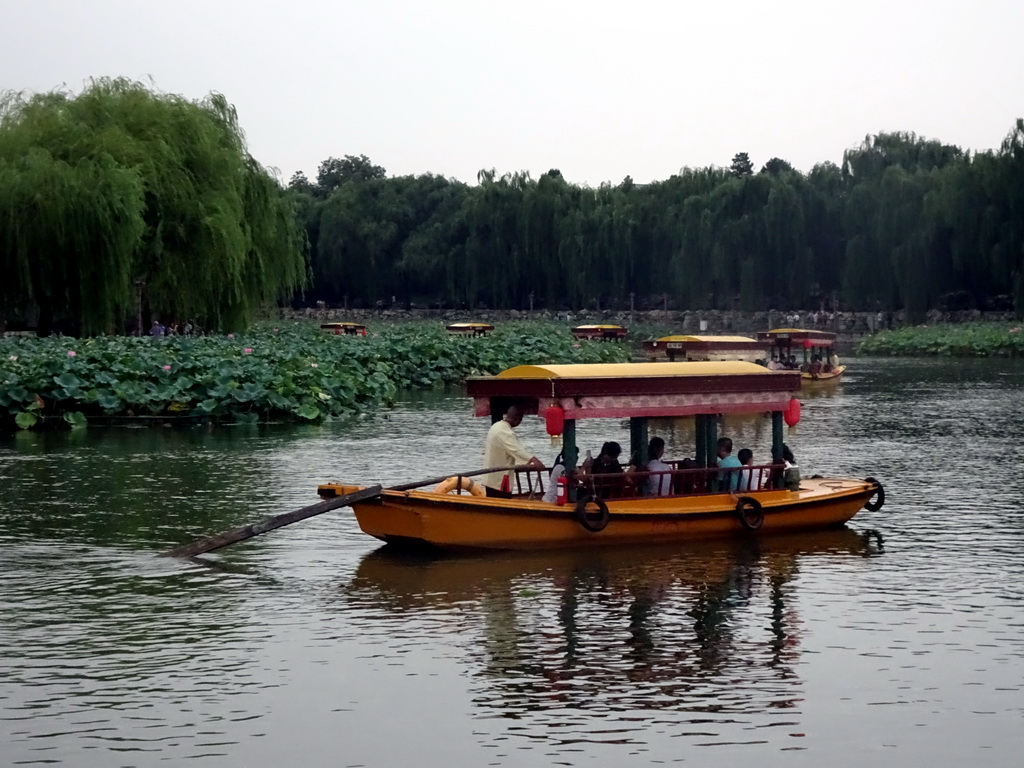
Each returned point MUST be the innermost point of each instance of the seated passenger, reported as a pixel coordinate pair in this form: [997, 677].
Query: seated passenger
[749, 479]
[557, 470]
[727, 480]
[688, 482]
[791, 472]
[657, 485]
[815, 367]
[606, 472]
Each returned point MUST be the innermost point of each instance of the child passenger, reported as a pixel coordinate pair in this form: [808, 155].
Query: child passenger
[749, 478]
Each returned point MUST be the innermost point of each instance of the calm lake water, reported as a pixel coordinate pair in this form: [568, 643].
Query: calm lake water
[896, 641]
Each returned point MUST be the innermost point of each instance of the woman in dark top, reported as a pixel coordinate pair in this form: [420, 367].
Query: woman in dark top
[606, 472]
[608, 460]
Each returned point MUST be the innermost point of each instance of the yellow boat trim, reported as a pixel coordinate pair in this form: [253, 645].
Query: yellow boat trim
[711, 339]
[635, 370]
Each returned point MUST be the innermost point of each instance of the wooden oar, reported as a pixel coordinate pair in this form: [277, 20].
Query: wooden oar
[270, 523]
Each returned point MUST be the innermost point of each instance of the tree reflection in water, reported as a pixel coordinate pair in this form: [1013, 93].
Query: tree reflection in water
[708, 628]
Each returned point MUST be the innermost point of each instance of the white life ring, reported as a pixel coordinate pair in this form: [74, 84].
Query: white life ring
[465, 483]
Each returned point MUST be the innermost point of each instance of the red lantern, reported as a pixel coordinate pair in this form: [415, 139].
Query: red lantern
[808, 344]
[554, 420]
[792, 412]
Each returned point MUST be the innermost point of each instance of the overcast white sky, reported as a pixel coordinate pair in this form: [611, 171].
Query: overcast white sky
[597, 89]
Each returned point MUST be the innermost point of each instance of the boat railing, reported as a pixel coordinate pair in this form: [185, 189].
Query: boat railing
[530, 482]
[682, 482]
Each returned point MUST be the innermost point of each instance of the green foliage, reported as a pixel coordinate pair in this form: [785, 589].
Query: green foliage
[294, 373]
[120, 194]
[904, 223]
[961, 340]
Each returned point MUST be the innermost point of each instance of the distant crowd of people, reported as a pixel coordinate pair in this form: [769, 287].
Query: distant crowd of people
[188, 328]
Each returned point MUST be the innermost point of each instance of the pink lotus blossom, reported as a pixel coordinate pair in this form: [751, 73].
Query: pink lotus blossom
[575, 346]
[313, 365]
[231, 335]
[72, 353]
[167, 367]
[14, 358]
[248, 350]
[1015, 330]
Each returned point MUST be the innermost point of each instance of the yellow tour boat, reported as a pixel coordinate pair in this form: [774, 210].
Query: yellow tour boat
[704, 348]
[343, 329]
[600, 332]
[699, 503]
[814, 351]
[469, 329]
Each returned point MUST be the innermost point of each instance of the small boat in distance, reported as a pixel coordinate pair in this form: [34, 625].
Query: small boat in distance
[694, 499]
[704, 348]
[812, 351]
[600, 332]
[469, 329]
[343, 329]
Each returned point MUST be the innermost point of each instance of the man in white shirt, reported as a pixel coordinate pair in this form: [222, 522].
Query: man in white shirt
[502, 449]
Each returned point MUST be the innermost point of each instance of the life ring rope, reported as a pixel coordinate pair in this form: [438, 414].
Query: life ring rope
[587, 520]
[749, 511]
[454, 484]
[878, 496]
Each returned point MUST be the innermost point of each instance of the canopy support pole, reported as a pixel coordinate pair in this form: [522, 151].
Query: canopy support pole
[638, 440]
[777, 440]
[701, 449]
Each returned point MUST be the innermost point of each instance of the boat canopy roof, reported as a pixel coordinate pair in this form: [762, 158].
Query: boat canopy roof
[342, 324]
[469, 325]
[598, 327]
[708, 342]
[786, 336]
[623, 390]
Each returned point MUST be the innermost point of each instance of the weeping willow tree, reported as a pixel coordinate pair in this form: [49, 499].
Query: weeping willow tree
[120, 197]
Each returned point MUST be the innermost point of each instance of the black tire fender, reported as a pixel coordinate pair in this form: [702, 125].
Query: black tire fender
[878, 496]
[587, 520]
[748, 510]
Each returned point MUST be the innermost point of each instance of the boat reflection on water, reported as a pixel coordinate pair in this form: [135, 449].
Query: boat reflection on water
[709, 628]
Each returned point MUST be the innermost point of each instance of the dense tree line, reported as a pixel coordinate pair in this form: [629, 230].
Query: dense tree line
[904, 223]
[120, 202]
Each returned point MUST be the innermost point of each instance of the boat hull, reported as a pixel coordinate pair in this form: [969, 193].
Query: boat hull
[471, 522]
[810, 378]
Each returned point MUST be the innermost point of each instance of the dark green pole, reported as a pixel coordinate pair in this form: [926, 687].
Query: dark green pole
[712, 441]
[701, 429]
[777, 440]
[570, 453]
[638, 439]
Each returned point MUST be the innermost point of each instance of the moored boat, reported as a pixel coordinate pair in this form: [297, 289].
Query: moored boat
[600, 332]
[812, 352]
[469, 329]
[697, 504]
[343, 329]
[704, 348]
